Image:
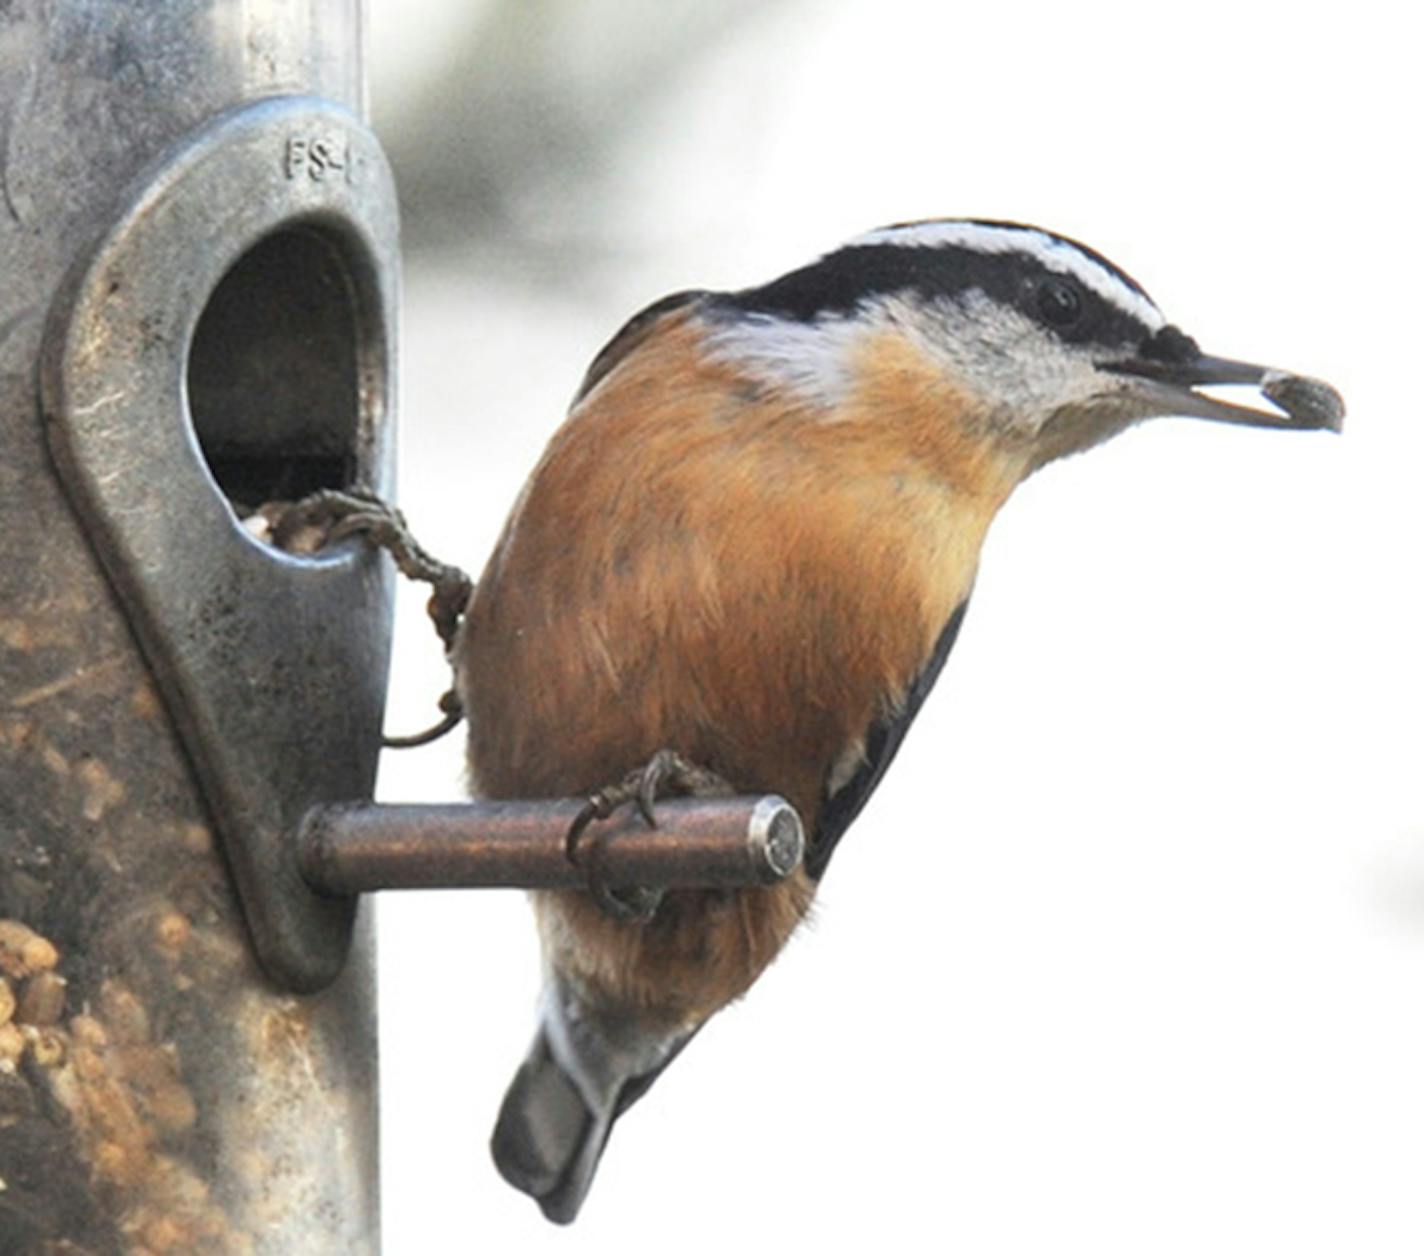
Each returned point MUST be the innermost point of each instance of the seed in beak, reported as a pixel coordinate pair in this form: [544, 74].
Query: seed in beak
[1310, 402]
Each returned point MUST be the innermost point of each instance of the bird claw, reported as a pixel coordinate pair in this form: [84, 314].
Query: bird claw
[598, 807]
[632, 903]
[338, 514]
[327, 510]
[640, 787]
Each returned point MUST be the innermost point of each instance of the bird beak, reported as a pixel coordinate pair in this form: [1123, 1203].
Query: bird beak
[1302, 403]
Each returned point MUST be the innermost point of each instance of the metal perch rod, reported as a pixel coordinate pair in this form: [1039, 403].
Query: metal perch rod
[698, 843]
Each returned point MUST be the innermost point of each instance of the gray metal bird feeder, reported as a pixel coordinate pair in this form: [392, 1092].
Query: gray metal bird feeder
[198, 293]
[197, 308]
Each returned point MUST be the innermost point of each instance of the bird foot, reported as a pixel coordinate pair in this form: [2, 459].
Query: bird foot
[331, 515]
[337, 514]
[666, 771]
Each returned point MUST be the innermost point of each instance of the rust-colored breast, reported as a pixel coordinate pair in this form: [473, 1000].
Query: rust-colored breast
[701, 562]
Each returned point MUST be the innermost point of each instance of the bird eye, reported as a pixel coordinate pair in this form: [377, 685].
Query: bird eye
[1059, 302]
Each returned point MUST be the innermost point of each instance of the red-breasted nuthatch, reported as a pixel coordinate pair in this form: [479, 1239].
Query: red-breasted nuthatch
[752, 543]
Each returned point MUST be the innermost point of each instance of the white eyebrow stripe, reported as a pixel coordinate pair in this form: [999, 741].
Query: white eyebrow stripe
[1050, 251]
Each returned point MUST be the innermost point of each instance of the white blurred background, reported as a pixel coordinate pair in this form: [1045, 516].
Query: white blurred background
[1127, 954]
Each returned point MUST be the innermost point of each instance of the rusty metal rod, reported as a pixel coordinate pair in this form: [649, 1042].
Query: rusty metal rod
[349, 848]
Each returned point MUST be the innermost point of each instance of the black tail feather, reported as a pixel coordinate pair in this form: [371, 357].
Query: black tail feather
[552, 1130]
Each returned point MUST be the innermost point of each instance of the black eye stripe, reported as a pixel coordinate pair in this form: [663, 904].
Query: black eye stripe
[842, 282]
[1058, 301]
[1170, 344]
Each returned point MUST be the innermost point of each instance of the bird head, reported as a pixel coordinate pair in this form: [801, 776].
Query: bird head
[1048, 347]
